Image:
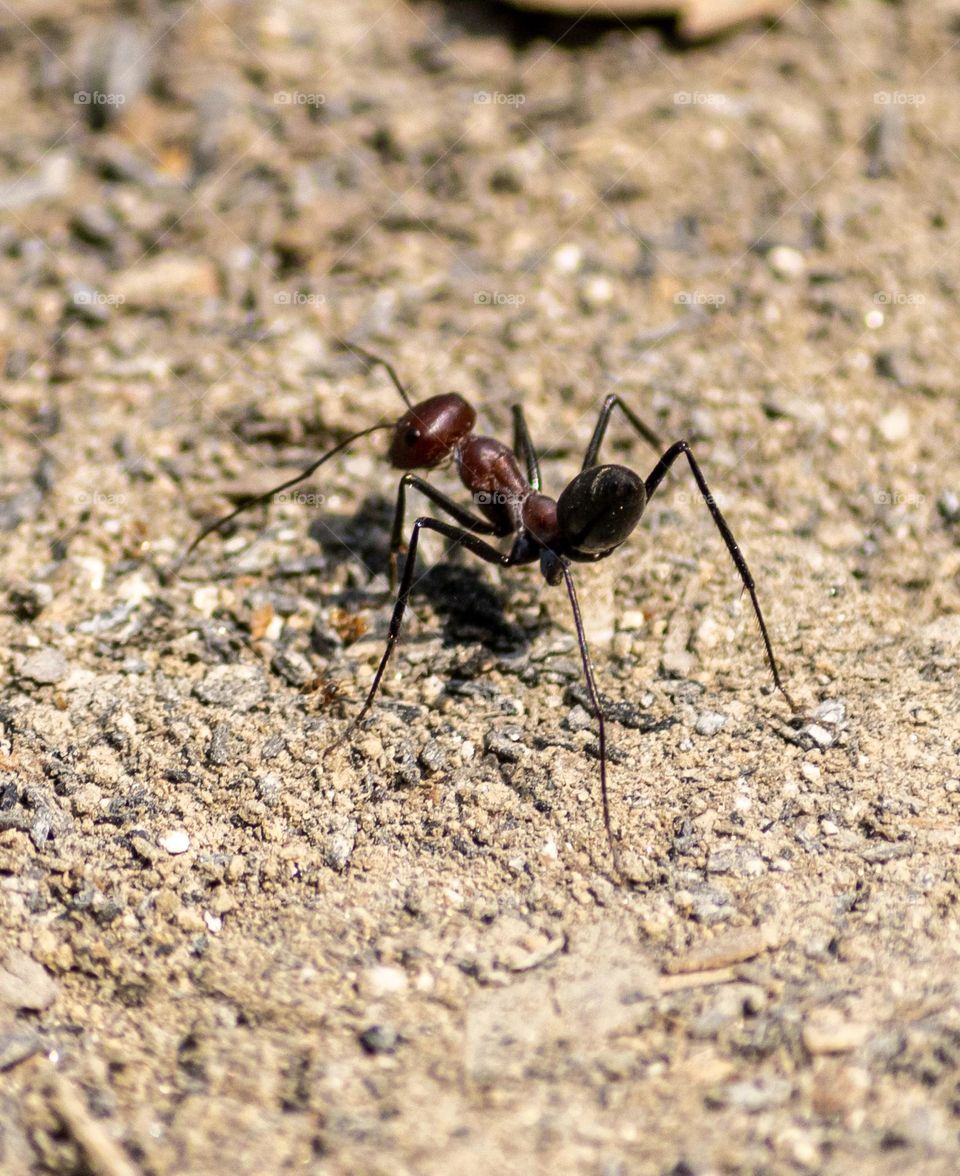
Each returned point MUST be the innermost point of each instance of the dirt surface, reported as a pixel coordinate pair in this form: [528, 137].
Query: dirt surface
[223, 953]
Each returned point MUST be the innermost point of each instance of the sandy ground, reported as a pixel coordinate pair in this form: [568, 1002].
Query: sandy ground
[223, 953]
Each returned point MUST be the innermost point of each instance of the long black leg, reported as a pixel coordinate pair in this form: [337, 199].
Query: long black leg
[479, 548]
[523, 446]
[597, 710]
[376, 361]
[461, 514]
[613, 401]
[652, 485]
[255, 501]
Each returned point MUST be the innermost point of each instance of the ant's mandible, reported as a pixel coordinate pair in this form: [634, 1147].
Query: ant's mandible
[592, 517]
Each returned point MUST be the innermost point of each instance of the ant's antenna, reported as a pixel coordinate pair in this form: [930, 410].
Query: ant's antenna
[377, 361]
[247, 503]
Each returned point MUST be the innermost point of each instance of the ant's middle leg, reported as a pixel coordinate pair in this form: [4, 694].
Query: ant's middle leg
[461, 514]
[613, 401]
[479, 548]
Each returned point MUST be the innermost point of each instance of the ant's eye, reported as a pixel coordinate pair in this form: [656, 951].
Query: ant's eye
[412, 435]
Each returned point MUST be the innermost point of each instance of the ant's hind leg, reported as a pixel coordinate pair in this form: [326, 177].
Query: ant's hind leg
[652, 485]
[461, 514]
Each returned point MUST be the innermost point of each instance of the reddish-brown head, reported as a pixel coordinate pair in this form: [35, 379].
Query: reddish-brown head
[429, 432]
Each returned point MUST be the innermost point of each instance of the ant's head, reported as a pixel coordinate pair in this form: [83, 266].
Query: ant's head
[600, 508]
[430, 431]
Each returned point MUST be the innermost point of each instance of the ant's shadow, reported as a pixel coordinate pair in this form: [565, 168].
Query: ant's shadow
[467, 606]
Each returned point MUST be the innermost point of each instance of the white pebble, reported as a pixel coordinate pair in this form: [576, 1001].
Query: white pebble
[895, 426]
[206, 599]
[598, 292]
[176, 841]
[567, 258]
[94, 569]
[831, 710]
[709, 723]
[786, 262]
[214, 922]
[382, 980]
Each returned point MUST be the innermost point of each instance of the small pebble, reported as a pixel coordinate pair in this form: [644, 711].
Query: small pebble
[29, 600]
[340, 843]
[24, 984]
[832, 711]
[549, 850]
[895, 426]
[709, 723]
[174, 842]
[238, 687]
[206, 599]
[827, 1032]
[729, 947]
[218, 753]
[382, 980]
[45, 666]
[887, 851]
[754, 1096]
[168, 278]
[379, 1039]
[432, 758]
[292, 666]
[839, 1089]
[87, 304]
[567, 259]
[597, 292]
[94, 224]
[268, 788]
[578, 720]
[948, 504]
[677, 663]
[504, 745]
[787, 262]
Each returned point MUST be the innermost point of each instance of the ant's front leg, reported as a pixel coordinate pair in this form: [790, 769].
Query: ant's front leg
[461, 514]
[523, 447]
[652, 485]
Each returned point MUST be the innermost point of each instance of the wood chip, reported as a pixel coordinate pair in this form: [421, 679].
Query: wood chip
[103, 1154]
[679, 983]
[731, 947]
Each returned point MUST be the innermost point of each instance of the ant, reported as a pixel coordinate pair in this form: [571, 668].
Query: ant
[592, 517]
